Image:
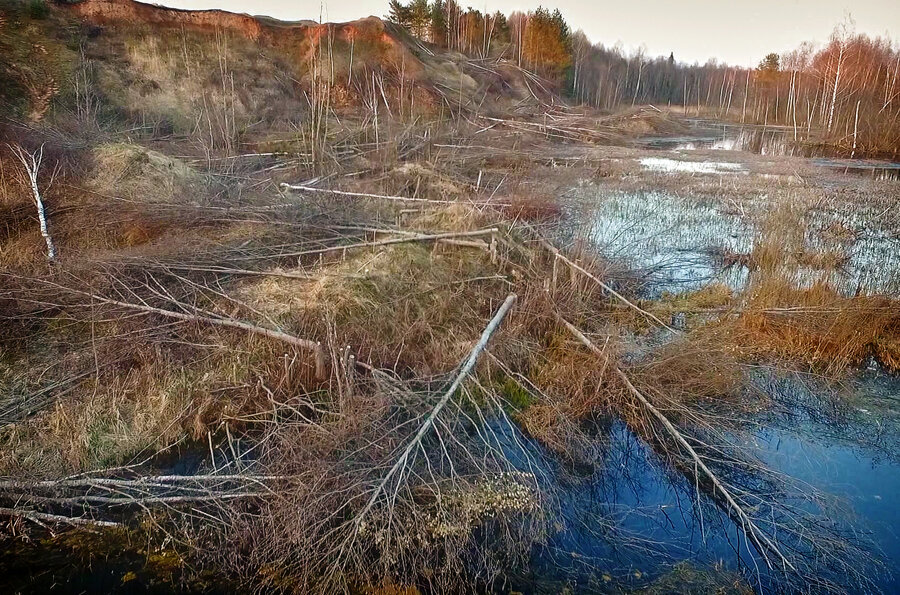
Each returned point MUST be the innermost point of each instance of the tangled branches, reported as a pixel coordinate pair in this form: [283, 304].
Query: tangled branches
[95, 497]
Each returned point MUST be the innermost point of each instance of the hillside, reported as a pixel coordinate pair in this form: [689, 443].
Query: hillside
[155, 64]
[157, 105]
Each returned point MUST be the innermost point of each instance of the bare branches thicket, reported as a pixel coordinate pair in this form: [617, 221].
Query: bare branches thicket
[412, 482]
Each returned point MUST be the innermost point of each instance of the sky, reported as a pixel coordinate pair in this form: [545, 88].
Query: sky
[737, 32]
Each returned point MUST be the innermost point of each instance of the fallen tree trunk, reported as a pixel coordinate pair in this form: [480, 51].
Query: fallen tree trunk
[464, 371]
[142, 481]
[44, 517]
[760, 540]
[559, 255]
[348, 194]
[388, 242]
[249, 327]
[99, 493]
[307, 344]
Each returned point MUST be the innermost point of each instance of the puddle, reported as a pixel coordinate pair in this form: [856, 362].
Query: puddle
[876, 170]
[709, 134]
[669, 243]
[694, 167]
[629, 523]
[760, 140]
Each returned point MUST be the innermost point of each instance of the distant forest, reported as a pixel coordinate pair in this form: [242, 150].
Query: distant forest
[848, 91]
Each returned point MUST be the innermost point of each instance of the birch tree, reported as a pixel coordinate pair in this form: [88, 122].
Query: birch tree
[31, 163]
[839, 38]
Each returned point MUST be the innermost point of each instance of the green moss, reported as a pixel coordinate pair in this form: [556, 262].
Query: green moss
[691, 580]
[515, 394]
[473, 398]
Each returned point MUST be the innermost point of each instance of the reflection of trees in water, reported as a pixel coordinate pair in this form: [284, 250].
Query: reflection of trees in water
[857, 413]
[640, 510]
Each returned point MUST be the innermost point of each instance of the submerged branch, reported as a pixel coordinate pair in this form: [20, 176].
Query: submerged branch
[760, 540]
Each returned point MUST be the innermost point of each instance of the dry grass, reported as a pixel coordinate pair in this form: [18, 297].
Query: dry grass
[575, 390]
[185, 82]
[817, 327]
[143, 175]
[697, 306]
[139, 411]
[788, 314]
[133, 410]
[420, 291]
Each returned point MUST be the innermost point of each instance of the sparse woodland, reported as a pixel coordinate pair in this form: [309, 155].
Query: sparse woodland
[287, 307]
[845, 94]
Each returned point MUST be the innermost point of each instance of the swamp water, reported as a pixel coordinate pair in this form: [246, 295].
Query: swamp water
[769, 140]
[675, 244]
[635, 519]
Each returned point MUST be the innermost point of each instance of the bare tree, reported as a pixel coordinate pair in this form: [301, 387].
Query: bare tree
[31, 162]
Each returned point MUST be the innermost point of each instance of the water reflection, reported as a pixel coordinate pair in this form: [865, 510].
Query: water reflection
[667, 241]
[772, 141]
[633, 518]
[876, 170]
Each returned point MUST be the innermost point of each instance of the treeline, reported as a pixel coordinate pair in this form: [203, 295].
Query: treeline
[539, 40]
[846, 93]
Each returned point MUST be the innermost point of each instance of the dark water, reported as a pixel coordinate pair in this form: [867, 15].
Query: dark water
[635, 518]
[876, 170]
[835, 448]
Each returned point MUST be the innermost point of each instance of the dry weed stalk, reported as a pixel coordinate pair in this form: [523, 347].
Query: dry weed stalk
[790, 542]
[383, 470]
[397, 481]
[465, 370]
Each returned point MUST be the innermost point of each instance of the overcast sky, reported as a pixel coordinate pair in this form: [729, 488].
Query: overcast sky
[735, 31]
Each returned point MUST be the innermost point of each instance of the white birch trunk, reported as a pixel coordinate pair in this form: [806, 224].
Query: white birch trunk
[837, 80]
[32, 163]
